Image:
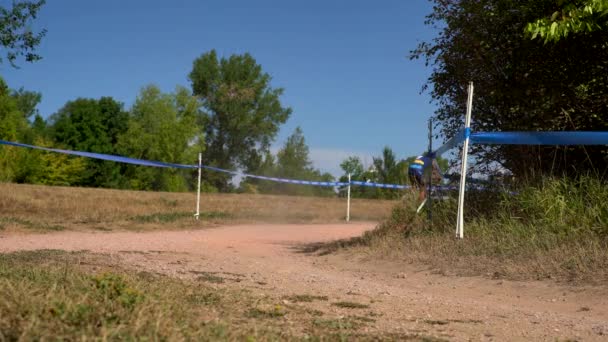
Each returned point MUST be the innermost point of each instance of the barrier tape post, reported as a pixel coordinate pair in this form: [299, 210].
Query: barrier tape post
[198, 191]
[463, 167]
[348, 201]
[430, 175]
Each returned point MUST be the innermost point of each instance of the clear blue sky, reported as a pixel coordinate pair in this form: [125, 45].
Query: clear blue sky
[343, 64]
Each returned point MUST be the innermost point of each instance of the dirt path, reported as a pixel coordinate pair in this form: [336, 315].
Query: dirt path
[402, 298]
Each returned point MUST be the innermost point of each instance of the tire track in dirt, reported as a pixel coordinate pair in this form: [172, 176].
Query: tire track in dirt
[403, 298]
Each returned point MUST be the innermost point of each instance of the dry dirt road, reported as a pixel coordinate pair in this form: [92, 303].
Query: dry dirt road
[404, 298]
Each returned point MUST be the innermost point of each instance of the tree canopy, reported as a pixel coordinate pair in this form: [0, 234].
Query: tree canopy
[162, 127]
[19, 165]
[94, 126]
[242, 112]
[293, 162]
[16, 37]
[571, 17]
[520, 84]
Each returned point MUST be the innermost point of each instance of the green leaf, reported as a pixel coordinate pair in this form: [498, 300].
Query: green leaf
[553, 29]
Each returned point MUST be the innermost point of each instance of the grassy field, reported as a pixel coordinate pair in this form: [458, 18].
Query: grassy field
[557, 229]
[53, 295]
[41, 208]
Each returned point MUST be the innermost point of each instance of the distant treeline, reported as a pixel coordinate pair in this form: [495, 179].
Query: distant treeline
[231, 115]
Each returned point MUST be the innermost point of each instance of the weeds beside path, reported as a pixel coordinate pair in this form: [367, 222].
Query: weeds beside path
[556, 230]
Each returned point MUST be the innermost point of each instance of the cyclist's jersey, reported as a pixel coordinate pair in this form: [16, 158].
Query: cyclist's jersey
[419, 165]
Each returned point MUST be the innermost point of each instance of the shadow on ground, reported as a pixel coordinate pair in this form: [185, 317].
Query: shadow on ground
[325, 248]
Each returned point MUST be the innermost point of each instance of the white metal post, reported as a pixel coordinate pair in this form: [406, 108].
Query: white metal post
[430, 174]
[198, 192]
[348, 201]
[463, 167]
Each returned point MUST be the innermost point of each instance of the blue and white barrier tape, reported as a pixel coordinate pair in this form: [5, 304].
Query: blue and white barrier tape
[453, 142]
[143, 162]
[102, 156]
[541, 138]
[379, 185]
[563, 138]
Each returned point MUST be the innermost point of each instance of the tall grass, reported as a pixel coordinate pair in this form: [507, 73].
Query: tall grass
[557, 228]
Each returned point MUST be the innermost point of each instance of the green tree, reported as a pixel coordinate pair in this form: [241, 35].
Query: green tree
[13, 127]
[13, 123]
[31, 166]
[16, 36]
[520, 84]
[89, 124]
[93, 126]
[266, 166]
[39, 126]
[571, 17]
[354, 166]
[293, 158]
[385, 169]
[292, 162]
[162, 127]
[242, 112]
[50, 168]
[27, 101]
[389, 170]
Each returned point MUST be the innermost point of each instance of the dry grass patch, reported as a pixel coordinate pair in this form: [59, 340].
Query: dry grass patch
[350, 305]
[555, 230]
[54, 295]
[529, 236]
[495, 256]
[24, 206]
[306, 298]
